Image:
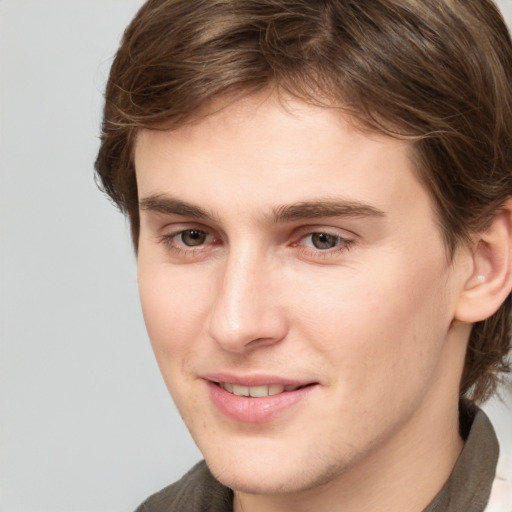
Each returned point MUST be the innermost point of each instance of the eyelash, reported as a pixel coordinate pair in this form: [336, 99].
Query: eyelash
[181, 250]
[342, 244]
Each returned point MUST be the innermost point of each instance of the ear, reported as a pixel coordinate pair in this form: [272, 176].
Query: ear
[490, 280]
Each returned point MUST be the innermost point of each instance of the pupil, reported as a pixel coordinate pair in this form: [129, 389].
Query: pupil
[323, 240]
[193, 237]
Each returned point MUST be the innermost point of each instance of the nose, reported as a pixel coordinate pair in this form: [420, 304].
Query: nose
[246, 312]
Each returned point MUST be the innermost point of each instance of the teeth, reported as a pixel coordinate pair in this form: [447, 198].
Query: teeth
[275, 389]
[256, 391]
[240, 390]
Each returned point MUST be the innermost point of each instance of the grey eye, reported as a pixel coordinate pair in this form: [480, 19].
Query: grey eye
[193, 237]
[324, 240]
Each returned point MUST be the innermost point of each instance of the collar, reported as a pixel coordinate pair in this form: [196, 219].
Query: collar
[470, 483]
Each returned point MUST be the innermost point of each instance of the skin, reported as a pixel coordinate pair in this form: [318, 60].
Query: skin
[371, 321]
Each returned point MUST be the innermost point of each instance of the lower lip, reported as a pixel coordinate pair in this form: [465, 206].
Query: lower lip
[255, 410]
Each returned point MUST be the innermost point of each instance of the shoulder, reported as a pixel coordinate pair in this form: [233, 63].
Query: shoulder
[196, 491]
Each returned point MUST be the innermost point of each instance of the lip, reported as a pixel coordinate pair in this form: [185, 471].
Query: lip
[255, 410]
[254, 380]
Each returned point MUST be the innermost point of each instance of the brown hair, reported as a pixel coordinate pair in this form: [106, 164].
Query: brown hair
[436, 71]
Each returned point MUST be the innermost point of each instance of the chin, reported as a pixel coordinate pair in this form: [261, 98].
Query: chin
[257, 472]
[268, 481]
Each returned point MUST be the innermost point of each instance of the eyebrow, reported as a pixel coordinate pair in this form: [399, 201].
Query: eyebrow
[315, 209]
[324, 208]
[171, 206]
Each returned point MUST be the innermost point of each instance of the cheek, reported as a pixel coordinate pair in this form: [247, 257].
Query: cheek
[173, 305]
[174, 313]
[376, 329]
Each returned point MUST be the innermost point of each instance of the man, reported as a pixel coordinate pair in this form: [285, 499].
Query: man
[320, 199]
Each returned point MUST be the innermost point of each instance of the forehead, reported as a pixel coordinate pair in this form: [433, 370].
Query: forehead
[260, 151]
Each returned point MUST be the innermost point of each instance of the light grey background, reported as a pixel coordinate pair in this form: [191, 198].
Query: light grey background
[85, 420]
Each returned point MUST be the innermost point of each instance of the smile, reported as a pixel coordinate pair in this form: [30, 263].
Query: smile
[259, 402]
[256, 391]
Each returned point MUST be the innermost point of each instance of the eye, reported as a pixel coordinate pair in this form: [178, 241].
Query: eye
[192, 237]
[324, 240]
[319, 245]
[189, 243]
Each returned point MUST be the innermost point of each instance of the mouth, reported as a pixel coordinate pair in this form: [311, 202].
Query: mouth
[256, 399]
[258, 391]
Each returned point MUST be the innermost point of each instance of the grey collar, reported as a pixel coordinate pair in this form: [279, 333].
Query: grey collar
[469, 486]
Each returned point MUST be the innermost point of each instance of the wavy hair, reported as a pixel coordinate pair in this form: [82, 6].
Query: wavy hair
[437, 72]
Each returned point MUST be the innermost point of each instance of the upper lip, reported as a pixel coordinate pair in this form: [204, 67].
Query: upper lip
[255, 380]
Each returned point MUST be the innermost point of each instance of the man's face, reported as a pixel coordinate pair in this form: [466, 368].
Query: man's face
[284, 253]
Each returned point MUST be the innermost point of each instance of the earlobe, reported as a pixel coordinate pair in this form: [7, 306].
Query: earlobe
[490, 281]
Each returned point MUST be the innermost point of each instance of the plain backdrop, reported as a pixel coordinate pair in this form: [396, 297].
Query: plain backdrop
[86, 424]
